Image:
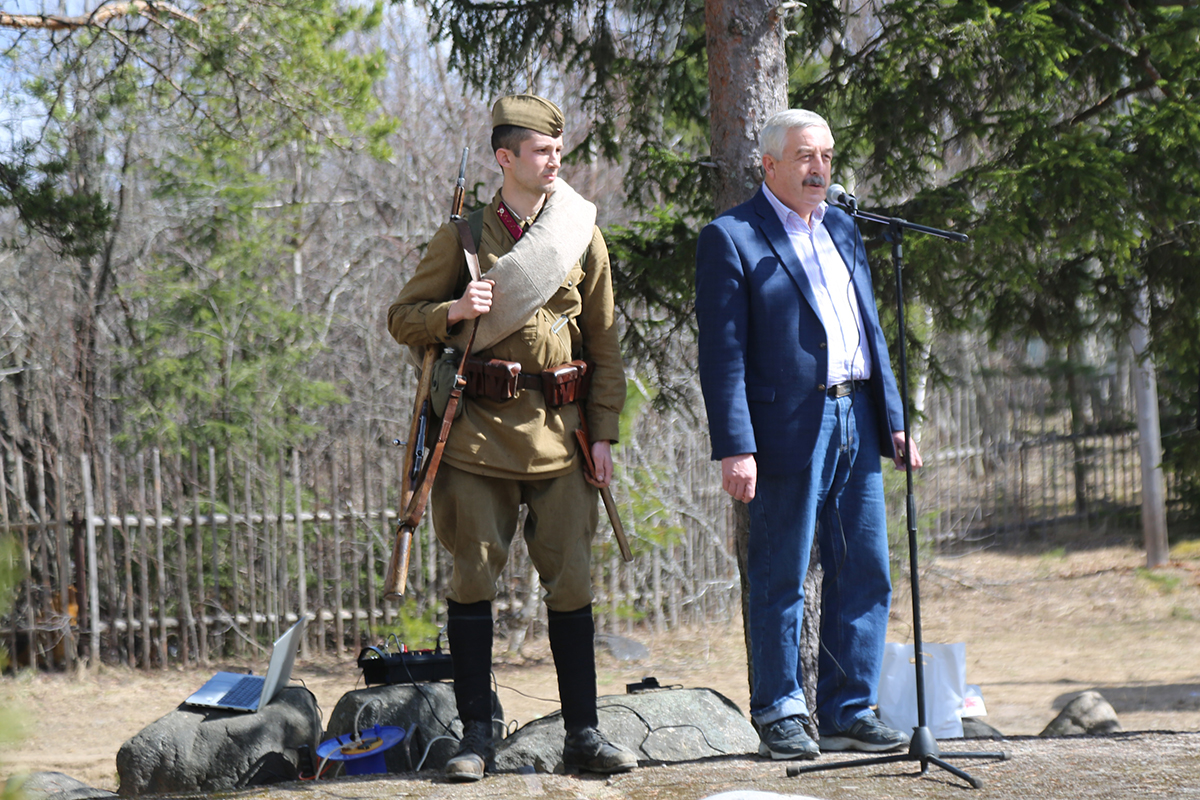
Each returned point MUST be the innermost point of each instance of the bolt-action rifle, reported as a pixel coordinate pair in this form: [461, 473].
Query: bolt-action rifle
[420, 464]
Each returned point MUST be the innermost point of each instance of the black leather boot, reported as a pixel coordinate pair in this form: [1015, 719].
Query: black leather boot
[469, 633]
[572, 641]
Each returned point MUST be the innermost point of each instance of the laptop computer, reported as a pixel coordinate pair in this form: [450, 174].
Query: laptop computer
[236, 691]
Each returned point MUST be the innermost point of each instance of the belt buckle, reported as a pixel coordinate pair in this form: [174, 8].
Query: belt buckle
[842, 389]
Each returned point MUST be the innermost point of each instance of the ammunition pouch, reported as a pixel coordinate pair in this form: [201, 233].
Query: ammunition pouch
[566, 383]
[499, 380]
[492, 378]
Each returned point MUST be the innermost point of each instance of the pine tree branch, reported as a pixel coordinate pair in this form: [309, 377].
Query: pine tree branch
[1107, 102]
[1095, 32]
[1141, 57]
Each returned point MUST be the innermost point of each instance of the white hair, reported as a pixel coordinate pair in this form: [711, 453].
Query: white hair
[776, 129]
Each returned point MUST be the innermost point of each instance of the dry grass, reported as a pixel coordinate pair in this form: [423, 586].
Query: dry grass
[1039, 628]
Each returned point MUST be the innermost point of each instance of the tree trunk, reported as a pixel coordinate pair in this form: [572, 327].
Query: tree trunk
[1154, 503]
[1078, 453]
[747, 77]
[94, 278]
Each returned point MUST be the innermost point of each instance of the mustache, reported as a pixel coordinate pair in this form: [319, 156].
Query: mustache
[814, 180]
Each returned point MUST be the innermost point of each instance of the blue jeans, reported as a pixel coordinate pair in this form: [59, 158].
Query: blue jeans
[842, 490]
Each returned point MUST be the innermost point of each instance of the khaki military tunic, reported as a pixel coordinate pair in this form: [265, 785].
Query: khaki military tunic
[521, 437]
[503, 454]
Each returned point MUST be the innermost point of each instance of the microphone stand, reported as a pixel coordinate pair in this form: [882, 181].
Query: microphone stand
[923, 747]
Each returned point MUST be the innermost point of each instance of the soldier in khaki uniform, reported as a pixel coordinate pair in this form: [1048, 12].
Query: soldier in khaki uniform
[504, 453]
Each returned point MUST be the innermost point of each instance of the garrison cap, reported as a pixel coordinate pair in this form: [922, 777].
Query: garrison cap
[528, 111]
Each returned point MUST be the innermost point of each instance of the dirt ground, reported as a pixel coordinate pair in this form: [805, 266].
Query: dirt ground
[1039, 628]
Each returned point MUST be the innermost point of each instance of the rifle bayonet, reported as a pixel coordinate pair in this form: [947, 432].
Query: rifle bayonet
[460, 188]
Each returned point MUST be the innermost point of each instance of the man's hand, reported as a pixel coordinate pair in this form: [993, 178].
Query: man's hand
[898, 444]
[739, 476]
[476, 301]
[602, 459]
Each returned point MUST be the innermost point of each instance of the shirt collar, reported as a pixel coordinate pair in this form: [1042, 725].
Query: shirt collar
[790, 219]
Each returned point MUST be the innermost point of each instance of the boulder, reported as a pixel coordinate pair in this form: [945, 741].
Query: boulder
[1087, 713]
[425, 711]
[661, 727]
[975, 728]
[207, 750]
[51, 786]
[622, 648]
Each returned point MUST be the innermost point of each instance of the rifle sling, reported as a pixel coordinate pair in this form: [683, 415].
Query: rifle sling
[467, 239]
[416, 504]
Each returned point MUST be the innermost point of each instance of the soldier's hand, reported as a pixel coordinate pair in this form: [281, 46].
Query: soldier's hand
[476, 301]
[602, 459]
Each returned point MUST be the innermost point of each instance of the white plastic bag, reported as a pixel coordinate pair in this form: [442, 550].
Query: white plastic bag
[945, 686]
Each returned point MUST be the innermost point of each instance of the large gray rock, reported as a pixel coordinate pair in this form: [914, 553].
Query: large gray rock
[622, 648]
[205, 750]
[661, 727]
[1087, 713]
[425, 711]
[975, 728]
[52, 786]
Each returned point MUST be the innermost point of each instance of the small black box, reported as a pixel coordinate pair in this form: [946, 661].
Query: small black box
[647, 684]
[416, 666]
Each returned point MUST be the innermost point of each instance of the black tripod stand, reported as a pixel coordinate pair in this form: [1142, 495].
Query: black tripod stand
[923, 747]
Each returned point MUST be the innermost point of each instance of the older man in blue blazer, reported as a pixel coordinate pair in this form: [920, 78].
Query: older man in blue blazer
[802, 404]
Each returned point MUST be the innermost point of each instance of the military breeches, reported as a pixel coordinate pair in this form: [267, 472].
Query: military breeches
[475, 518]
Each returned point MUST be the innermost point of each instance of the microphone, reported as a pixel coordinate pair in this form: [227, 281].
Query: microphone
[837, 195]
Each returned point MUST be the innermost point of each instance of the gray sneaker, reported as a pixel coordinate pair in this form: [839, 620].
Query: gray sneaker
[475, 751]
[867, 734]
[588, 750]
[786, 739]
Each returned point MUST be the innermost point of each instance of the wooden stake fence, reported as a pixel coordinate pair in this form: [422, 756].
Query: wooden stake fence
[188, 558]
[197, 556]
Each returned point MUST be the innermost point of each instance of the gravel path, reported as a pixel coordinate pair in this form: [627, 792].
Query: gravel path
[1116, 767]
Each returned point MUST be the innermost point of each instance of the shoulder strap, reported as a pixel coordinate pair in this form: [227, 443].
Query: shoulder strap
[475, 223]
[528, 274]
[467, 239]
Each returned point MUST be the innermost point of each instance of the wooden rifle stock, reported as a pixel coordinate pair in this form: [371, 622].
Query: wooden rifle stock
[396, 579]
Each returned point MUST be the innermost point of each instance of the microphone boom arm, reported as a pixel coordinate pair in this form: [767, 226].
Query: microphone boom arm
[896, 222]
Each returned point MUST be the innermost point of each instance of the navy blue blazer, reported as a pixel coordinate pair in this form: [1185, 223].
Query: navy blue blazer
[763, 354]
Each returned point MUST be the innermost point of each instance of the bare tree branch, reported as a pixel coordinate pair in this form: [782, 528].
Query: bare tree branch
[96, 19]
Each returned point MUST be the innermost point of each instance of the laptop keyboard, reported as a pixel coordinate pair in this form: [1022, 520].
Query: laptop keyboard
[244, 692]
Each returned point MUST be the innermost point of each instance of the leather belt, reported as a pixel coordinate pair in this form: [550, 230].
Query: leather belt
[501, 380]
[846, 387]
[529, 380]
